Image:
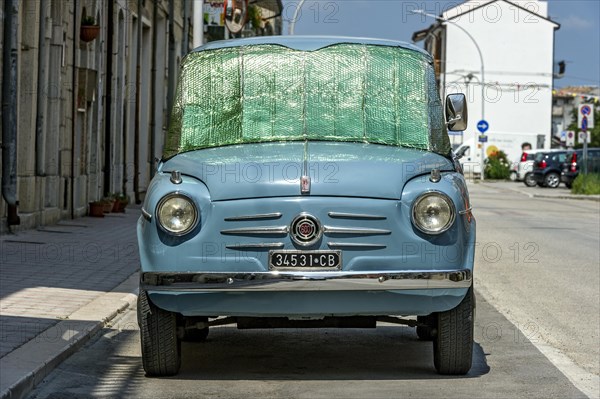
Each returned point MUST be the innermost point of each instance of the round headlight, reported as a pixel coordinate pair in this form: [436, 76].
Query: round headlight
[433, 213]
[177, 214]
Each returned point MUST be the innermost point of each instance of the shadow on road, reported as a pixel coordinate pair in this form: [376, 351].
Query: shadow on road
[385, 353]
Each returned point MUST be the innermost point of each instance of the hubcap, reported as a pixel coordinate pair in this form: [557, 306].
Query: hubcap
[553, 181]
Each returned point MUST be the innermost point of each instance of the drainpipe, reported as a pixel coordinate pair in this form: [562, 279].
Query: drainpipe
[40, 161]
[74, 107]
[172, 66]
[9, 111]
[136, 140]
[153, 82]
[185, 43]
[108, 98]
[198, 25]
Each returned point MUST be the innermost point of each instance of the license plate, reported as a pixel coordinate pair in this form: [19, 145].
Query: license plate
[316, 260]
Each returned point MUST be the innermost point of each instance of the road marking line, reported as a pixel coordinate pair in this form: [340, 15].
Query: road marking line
[588, 383]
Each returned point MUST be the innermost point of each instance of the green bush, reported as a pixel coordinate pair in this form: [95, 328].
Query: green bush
[497, 166]
[586, 184]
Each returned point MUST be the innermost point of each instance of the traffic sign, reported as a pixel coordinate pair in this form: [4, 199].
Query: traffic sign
[483, 138]
[570, 141]
[584, 137]
[483, 126]
[585, 116]
[586, 109]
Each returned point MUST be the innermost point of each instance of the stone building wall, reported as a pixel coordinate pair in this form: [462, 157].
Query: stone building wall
[63, 87]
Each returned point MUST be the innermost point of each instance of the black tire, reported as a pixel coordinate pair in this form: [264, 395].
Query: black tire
[453, 343]
[529, 180]
[427, 333]
[161, 349]
[552, 180]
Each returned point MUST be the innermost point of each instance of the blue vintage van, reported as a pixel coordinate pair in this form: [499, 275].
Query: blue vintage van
[308, 182]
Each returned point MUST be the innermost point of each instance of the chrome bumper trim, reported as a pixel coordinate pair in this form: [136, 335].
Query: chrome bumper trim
[147, 215]
[307, 281]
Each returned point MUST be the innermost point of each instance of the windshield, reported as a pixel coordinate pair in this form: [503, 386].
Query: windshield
[344, 92]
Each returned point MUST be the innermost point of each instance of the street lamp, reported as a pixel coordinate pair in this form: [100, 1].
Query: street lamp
[293, 21]
[447, 21]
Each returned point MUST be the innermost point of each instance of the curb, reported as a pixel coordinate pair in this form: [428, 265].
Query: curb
[570, 197]
[545, 196]
[25, 367]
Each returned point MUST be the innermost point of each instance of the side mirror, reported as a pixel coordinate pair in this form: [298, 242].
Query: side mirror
[456, 112]
[235, 14]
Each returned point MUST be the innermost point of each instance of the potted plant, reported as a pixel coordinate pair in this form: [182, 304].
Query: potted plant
[108, 204]
[89, 29]
[255, 18]
[121, 201]
[97, 209]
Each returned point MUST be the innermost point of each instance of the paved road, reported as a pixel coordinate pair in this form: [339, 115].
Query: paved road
[387, 362]
[538, 263]
[545, 292]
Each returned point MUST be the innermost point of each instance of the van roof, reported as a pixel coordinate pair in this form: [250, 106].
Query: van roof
[307, 43]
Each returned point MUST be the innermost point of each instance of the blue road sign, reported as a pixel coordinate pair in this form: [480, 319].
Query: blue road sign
[584, 123]
[483, 138]
[483, 126]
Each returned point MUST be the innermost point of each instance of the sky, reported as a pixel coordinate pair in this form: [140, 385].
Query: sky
[577, 41]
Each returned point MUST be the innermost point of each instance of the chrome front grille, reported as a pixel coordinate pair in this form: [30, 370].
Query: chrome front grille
[251, 231]
[260, 216]
[344, 215]
[337, 232]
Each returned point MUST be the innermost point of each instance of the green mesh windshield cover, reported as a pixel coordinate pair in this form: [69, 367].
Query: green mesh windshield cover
[345, 92]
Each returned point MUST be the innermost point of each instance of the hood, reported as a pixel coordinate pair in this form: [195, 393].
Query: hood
[335, 169]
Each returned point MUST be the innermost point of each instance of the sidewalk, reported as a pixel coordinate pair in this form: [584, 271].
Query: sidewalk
[58, 286]
[560, 192]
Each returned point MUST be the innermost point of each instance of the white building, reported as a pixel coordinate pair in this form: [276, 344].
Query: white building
[516, 45]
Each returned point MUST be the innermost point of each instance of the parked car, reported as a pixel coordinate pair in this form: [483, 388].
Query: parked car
[313, 187]
[571, 166]
[514, 169]
[547, 168]
[525, 167]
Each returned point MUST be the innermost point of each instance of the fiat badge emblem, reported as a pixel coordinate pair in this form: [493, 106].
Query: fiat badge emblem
[305, 230]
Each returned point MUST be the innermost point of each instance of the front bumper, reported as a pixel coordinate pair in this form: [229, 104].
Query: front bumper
[307, 281]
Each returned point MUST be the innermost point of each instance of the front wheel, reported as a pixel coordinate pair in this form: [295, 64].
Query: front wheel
[453, 343]
[529, 180]
[552, 180]
[161, 349]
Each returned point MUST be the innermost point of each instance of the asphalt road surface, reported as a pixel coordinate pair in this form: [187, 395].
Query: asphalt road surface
[536, 330]
[538, 263]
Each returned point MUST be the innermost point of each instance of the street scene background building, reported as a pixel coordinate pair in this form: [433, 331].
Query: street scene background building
[512, 44]
[92, 88]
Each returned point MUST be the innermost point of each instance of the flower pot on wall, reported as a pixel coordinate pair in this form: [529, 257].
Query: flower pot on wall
[87, 33]
[119, 206]
[108, 205]
[97, 209]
